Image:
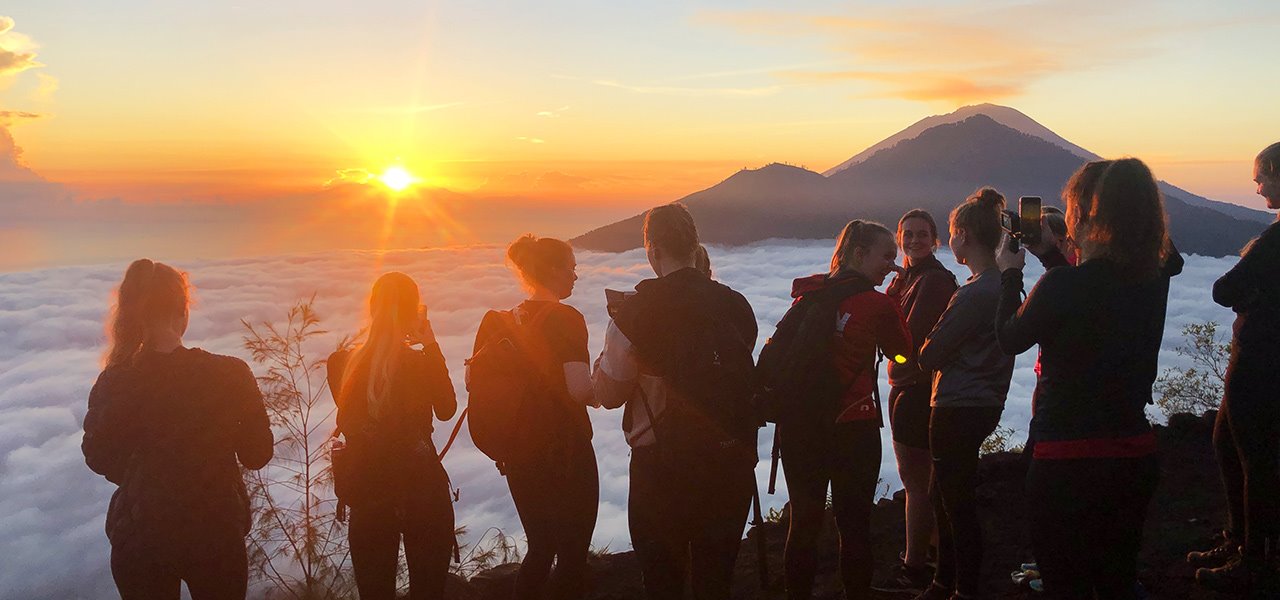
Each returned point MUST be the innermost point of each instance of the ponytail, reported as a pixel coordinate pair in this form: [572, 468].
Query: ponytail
[856, 234]
[151, 294]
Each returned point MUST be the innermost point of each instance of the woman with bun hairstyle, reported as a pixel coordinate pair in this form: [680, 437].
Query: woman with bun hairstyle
[922, 291]
[833, 439]
[1099, 325]
[1247, 431]
[387, 392]
[556, 486]
[970, 383]
[172, 426]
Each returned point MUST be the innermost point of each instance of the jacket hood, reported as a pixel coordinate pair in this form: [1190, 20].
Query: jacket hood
[821, 281]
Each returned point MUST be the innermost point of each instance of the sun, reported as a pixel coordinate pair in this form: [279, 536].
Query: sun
[396, 178]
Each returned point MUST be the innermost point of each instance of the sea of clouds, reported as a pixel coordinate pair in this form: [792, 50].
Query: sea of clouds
[52, 508]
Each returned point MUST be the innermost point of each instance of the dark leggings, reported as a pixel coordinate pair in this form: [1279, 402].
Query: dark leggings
[557, 502]
[686, 521]
[215, 569]
[849, 460]
[955, 437]
[1086, 518]
[1247, 438]
[424, 519]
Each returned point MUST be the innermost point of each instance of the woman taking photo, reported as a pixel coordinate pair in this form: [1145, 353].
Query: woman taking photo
[168, 425]
[971, 380]
[834, 438]
[386, 392]
[922, 291]
[554, 484]
[1247, 432]
[1099, 325]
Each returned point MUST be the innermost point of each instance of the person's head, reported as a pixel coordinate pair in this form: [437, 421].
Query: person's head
[394, 310]
[1115, 210]
[975, 225]
[151, 303]
[917, 234]
[1266, 173]
[867, 248]
[545, 265]
[670, 238]
[702, 261]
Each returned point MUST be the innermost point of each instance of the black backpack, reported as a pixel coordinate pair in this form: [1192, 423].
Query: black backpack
[710, 377]
[795, 369]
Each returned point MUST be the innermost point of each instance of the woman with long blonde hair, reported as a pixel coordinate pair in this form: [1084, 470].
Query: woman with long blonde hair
[386, 392]
[171, 426]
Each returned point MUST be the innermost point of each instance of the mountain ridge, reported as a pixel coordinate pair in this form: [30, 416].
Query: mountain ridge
[935, 169]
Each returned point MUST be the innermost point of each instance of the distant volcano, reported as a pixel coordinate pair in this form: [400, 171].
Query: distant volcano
[934, 164]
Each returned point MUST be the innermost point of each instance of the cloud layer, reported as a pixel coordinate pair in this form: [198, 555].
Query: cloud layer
[52, 508]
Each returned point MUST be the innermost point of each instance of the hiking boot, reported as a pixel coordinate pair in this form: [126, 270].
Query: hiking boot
[905, 578]
[935, 591]
[1221, 554]
[1240, 575]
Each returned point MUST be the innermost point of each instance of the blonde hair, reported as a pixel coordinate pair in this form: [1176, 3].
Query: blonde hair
[856, 234]
[393, 307]
[150, 294]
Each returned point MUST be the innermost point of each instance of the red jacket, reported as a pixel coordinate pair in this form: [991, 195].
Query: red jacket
[865, 322]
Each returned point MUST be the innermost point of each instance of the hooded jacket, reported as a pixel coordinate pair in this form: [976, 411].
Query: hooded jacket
[866, 322]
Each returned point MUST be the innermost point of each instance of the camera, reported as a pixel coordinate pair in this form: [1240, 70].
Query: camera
[1023, 226]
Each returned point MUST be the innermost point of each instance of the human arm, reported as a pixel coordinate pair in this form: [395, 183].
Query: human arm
[107, 443]
[962, 317]
[1240, 286]
[444, 400]
[932, 294]
[255, 443]
[617, 372]
[892, 334]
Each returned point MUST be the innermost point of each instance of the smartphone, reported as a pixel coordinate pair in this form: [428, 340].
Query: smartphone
[1011, 223]
[1029, 210]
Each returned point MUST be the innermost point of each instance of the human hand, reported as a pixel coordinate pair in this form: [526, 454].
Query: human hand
[421, 332]
[1007, 259]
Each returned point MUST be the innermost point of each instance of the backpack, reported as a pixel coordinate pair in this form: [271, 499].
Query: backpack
[507, 381]
[795, 363]
[711, 387]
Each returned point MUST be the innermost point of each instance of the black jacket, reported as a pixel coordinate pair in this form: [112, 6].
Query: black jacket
[168, 430]
[395, 448]
[1099, 332]
[1252, 290]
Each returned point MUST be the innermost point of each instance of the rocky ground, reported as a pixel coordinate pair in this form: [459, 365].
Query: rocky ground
[1187, 510]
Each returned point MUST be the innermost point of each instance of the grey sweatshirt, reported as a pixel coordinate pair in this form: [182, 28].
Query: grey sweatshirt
[969, 367]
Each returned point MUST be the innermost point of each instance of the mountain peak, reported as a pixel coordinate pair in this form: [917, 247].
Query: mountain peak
[1005, 115]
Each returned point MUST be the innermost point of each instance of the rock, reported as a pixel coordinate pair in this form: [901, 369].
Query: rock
[498, 583]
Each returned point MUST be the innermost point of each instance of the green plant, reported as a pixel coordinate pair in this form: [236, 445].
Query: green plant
[1198, 388]
[297, 545]
[1000, 440]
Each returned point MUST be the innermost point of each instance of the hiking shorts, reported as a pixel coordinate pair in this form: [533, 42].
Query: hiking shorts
[909, 414]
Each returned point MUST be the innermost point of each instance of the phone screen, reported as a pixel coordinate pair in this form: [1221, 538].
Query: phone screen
[1029, 210]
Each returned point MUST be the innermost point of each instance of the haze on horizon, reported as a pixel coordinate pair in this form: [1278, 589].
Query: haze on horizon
[564, 118]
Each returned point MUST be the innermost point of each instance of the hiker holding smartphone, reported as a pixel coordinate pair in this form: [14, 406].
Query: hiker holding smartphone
[678, 355]
[388, 470]
[1099, 325]
[544, 387]
[820, 375]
